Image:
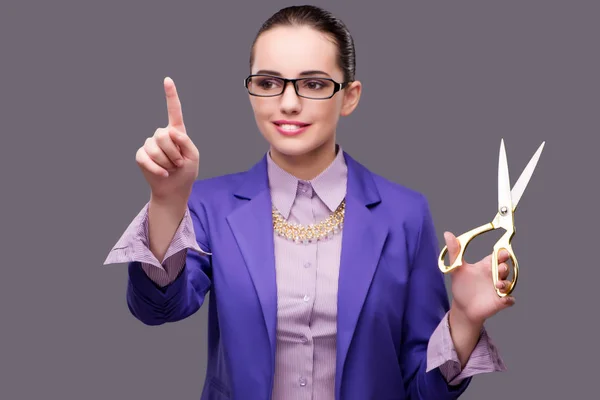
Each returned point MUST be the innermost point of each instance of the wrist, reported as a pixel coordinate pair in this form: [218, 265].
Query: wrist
[169, 209]
[458, 318]
[173, 202]
[465, 333]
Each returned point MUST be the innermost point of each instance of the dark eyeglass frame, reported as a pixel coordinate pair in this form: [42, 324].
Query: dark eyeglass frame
[337, 86]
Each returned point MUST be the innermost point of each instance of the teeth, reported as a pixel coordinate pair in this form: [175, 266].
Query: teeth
[289, 127]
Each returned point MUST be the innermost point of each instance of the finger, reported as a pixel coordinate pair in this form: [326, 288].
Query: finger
[507, 301]
[166, 144]
[503, 255]
[503, 271]
[173, 105]
[486, 261]
[503, 285]
[453, 246]
[146, 163]
[186, 146]
[157, 155]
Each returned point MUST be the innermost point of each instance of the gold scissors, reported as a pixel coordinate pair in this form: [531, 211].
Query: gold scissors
[507, 203]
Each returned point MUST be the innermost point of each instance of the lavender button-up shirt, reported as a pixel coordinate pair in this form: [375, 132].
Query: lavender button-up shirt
[307, 282]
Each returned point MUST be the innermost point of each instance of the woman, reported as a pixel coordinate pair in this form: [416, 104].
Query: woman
[353, 307]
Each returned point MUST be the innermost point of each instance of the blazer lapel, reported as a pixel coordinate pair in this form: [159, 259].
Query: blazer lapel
[252, 227]
[362, 243]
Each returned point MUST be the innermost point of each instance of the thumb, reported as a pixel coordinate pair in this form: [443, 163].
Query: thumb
[185, 144]
[453, 246]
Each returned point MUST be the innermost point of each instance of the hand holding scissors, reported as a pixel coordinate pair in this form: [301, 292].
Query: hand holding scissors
[507, 203]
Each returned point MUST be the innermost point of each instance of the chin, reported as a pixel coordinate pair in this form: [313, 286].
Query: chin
[293, 148]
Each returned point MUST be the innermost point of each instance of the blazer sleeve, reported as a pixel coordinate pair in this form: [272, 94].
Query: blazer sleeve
[154, 304]
[426, 306]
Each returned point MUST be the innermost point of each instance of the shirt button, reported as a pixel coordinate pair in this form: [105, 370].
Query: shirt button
[307, 265]
[304, 339]
[302, 382]
[306, 298]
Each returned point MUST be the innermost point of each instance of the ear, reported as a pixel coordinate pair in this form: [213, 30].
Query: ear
[351, 96]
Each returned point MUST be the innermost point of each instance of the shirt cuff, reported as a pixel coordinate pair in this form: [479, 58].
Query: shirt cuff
[441, 353]
[172, 266]
[134, 245]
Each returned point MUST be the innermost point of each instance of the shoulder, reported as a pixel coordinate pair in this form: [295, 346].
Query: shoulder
[216, 184]
[406, 213]
[396, 197]
[403, 209]
[210, 200]
[391, 191]
[215, 190]
[219, 189]
[404, 206]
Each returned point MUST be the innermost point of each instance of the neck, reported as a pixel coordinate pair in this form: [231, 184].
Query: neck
[306, 166]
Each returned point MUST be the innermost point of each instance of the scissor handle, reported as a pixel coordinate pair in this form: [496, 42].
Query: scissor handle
[504, 243]
[463, 240]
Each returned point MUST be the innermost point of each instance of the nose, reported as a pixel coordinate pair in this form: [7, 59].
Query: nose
[290, 102]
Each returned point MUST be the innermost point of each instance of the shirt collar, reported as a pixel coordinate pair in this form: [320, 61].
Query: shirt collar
[329, 185]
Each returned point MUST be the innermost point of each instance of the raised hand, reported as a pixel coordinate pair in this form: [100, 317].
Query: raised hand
[169, 159]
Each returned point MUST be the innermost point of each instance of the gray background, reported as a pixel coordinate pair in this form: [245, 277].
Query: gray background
[443, 83]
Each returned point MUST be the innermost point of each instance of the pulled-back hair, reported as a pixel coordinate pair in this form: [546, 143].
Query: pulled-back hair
[321, 20]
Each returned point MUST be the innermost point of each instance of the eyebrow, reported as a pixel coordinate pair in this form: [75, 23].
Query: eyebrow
[303, 73]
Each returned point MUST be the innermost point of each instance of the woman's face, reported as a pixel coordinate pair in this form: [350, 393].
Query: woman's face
[291, 52]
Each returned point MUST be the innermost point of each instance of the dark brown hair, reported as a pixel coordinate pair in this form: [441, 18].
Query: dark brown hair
[322, 21]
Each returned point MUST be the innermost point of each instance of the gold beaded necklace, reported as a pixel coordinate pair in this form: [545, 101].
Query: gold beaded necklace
[313, 232]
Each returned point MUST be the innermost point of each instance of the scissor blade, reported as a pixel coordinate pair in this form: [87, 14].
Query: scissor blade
[519, 188]
[504, 195]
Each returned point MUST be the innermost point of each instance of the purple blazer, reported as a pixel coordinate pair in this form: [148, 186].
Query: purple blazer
[391, 294]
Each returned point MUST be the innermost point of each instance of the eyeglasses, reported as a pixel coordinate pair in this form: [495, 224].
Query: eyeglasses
[309, 88]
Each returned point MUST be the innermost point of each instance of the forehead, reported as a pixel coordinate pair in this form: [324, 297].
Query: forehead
[291, 50]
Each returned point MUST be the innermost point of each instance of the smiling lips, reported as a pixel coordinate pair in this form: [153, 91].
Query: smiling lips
[290, 128]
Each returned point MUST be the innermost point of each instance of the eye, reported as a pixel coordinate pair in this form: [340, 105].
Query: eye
[316, 84]
[268, 83]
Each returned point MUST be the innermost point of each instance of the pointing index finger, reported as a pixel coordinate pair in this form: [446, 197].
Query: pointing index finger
[173, 105]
